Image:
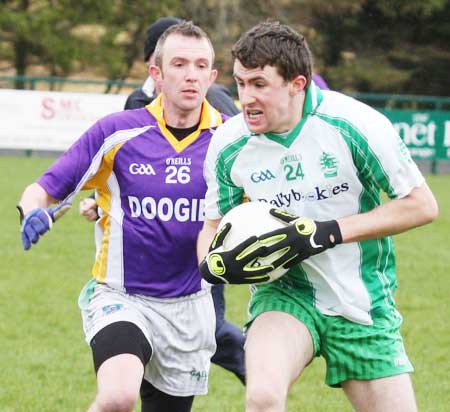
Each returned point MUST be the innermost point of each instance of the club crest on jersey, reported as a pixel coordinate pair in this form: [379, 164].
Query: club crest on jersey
[262, 176]
[329, 164]
[141, 169]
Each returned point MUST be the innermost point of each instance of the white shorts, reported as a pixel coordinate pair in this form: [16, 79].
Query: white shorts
[179, 330]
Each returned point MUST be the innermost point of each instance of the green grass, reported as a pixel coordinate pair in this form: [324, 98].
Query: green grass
[46, 366]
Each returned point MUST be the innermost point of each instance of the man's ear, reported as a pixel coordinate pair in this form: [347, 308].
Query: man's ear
[155, 72]
[298, 84]
[213, 75]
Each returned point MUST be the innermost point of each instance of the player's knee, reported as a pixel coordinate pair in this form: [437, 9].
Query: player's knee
[120, 401]
[264, 398]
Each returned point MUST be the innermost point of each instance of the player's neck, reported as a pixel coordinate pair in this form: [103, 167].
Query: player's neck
[181, 119]
[296, 110]
[292, 116]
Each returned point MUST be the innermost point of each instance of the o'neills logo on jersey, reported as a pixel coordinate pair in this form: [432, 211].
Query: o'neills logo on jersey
[186, 161]
[166, 209]
[318, 193]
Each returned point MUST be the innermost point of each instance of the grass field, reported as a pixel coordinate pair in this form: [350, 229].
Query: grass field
[46, 365]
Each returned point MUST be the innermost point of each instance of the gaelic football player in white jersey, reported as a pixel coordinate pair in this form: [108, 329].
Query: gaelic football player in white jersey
[321, 159]
[146, 312]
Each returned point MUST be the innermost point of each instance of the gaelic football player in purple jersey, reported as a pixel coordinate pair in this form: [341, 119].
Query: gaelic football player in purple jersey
[229, 337]
[146, 312]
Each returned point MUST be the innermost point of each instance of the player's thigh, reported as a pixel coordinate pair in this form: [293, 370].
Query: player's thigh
[119, 379]
[277, 349]
[120, 351]
[118, 338]
[393, 394]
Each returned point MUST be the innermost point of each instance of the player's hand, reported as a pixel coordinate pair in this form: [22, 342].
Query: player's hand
[302, 238]
[39, 221]
[234, 266]
[34, 225]
[88, 209]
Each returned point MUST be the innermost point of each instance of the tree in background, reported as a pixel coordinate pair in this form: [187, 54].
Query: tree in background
[42, 33]
[65, 36]
[120, 45]
[390, 46]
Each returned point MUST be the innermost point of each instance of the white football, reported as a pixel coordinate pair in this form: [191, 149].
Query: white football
[253, 219]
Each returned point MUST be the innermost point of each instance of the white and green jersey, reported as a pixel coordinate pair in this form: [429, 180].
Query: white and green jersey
[334, 163]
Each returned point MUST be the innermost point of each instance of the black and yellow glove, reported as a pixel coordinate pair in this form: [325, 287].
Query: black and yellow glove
[301, 239]
[236, 266]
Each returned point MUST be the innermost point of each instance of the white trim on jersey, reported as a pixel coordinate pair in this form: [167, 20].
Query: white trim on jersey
[109, 143]
[334, 164]
[114, 275]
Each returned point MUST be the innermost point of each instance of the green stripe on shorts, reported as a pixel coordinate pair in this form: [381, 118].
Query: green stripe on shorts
[351, 350]
[361, 352]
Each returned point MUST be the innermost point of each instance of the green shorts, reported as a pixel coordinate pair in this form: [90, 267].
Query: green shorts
[351, 350]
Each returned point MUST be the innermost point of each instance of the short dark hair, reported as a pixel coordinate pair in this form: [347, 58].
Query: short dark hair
[274, 44]
[186, 29]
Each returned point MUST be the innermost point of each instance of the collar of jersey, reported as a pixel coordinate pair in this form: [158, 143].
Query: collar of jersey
[313, 98]
[209, 118]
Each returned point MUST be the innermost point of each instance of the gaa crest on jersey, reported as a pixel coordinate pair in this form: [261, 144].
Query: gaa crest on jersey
[141, 169]
[262, 176]
[329, 164]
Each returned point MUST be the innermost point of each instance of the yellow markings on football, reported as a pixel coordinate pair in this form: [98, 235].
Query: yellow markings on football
[253, 219]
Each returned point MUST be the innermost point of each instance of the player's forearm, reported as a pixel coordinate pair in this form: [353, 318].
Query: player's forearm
[393, 217]
[34, 196]
[205, 237]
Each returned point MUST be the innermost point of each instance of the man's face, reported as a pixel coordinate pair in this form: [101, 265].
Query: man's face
[268, 101]
[186, 72]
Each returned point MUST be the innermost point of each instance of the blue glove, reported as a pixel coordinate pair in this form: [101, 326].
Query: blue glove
[38, 222]
[34, 225]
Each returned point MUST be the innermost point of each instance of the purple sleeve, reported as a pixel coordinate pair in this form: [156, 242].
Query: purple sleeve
[63, 176]
[320, 82]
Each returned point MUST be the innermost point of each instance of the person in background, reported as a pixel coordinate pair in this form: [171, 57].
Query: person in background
[322, 160]
[147, 314]
[218, 95]
[320, 81]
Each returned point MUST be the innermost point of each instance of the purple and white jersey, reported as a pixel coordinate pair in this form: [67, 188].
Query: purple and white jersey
[151, 190]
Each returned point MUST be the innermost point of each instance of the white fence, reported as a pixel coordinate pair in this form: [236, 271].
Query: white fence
[41, 120]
